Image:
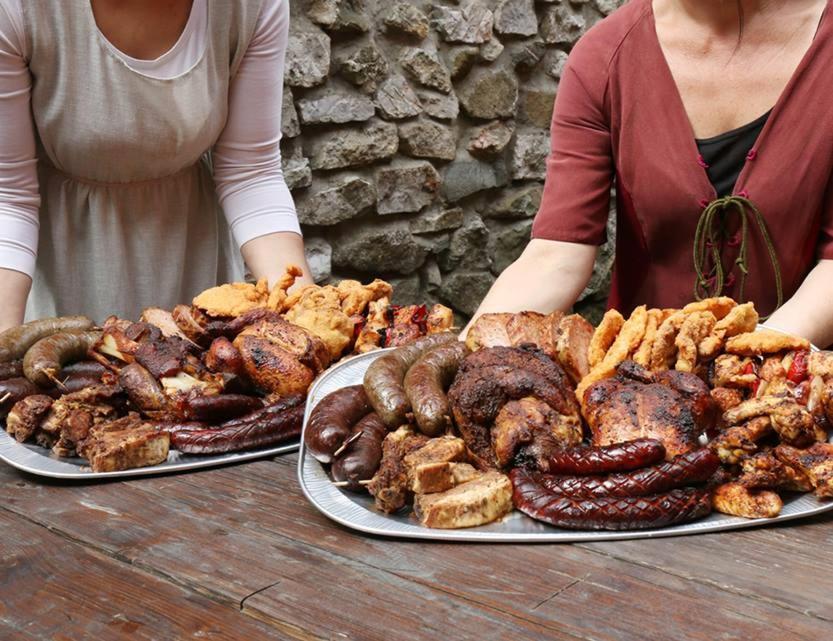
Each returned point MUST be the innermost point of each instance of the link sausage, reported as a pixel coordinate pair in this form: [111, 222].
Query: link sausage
[332, 420]
[426, 384]
[619, 457]
[14, 342]
[607, 512]
[384, 379]
[44, 360]
[360, 459]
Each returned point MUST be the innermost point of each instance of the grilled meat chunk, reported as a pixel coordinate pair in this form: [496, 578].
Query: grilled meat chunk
[740, 441]
[71, 416]
[764, 470]
[477, 502]
[672, 407]
[428, 478]
[793, 423]
[389, 486]
[25, 417]
[124, 444]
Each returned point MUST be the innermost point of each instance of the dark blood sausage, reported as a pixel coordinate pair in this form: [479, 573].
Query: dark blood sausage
[332, 420]
[607, 512]
[219, 407]
[270, 425]
[360, 459]
[83, 368]
[173, 427]
[619, 457]
[12, 369]
[44, 360]
[13, 390]
[384, 379]
[686, 469]
[426, 384]
[16, 341]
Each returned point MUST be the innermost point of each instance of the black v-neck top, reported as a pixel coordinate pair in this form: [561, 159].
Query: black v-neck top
[724, 155]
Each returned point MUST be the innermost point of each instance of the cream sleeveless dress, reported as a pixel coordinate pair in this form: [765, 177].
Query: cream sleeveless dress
[129, 217]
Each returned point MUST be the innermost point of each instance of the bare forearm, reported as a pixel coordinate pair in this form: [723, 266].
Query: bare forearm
[268, 256]
[548, 276]
[14, 290]
[809, 312]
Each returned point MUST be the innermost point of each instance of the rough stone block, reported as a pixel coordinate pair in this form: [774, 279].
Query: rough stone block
[406, 188]
[339, 200]
[353, 146]
[489, 93]
[427, 139]
[383, 247]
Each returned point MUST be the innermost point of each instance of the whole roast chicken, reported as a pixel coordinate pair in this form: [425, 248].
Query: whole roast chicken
[673, 407]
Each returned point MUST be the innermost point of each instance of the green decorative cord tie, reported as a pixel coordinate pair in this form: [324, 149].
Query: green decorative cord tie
[707, 241]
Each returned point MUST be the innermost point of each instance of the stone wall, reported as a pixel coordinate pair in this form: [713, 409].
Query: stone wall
[415, 136]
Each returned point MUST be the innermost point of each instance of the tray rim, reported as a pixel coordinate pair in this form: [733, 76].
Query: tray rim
[18, 455]
[379, 525]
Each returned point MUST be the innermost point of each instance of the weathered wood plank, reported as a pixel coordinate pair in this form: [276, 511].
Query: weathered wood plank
[555, 587]
[53, 588]
[772, 564]
[225, 557]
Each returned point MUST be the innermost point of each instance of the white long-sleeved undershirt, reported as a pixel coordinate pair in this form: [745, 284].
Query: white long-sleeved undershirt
[246, 157]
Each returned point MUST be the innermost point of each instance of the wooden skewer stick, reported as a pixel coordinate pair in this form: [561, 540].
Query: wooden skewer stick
[6, 397]
[341, 483]
[54, 379]
[366, 482]
[347, 444]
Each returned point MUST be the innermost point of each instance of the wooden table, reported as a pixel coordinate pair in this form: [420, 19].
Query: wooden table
[237, 553]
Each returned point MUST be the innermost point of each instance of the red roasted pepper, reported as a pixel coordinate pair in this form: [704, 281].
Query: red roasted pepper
[798, 368]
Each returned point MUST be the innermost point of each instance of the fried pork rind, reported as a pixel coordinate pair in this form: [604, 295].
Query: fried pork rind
[603, 337]
[278, 295]
[369, 337]
[738, 500]
[664, 350]
[233, 299]
[765, 341]
[719, 306]
[355, 297]
[628, 339]
[318, 310]
[643, 352]
[694, 329]
[741, 319]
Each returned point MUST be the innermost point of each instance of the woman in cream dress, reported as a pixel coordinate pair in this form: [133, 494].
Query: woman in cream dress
[139, 156]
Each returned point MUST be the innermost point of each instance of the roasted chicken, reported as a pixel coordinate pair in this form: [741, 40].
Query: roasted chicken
[488, 380]
[281, 358]
[673, 407]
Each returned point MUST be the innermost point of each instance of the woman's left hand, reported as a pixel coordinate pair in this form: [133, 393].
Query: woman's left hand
[267, 257]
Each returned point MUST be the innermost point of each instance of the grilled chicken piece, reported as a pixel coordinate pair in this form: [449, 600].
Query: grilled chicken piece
[793, 423]
[528, 430]
[739, 500]
[124, 444]
[477, 502]
[26, 415]
[764, 470]
[673, 407]
[440, 319]
[816, 462]
[428, 478]
[280, 357]
[726, 398]
[733, 371]
[389, 486]
[489, 379]
[740, 441]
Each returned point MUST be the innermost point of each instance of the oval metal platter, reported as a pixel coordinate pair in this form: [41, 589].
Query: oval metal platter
[356, 511]
[40, 461]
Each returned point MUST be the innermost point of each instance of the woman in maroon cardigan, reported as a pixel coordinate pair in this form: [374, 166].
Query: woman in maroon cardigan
[715, 118]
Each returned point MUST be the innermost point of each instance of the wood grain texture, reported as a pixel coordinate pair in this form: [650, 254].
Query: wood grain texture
[245, 538]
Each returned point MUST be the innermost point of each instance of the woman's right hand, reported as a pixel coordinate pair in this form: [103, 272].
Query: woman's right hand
[14, 290]
[549, 275]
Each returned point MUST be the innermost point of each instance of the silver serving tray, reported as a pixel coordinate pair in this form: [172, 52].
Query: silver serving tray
[356, 511]
[41, 461]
